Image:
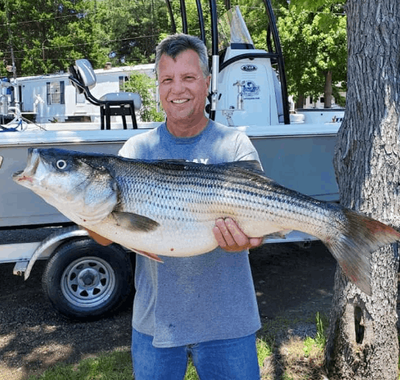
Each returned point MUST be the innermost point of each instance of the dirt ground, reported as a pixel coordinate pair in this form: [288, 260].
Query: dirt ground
[291, 283]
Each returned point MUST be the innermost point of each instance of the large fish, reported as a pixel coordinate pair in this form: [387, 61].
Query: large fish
[170, 207]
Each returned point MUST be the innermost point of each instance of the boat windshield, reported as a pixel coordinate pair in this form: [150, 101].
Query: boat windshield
[232, 30]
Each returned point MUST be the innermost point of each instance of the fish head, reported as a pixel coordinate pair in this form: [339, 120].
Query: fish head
[77, 184]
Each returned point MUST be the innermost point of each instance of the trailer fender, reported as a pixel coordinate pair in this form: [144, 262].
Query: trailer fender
[49, 244]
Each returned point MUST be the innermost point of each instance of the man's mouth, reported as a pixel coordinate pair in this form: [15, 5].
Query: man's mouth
[179, 101]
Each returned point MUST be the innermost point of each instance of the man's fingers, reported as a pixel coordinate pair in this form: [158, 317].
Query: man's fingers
[255, 242]
[218, 236]
[237, 234]
[230, 237]
[225, 234]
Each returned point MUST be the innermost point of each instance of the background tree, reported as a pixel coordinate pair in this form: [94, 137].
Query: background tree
[132, 29]
[363, 340]
[313, 38]
[146, 87]
[46, 36]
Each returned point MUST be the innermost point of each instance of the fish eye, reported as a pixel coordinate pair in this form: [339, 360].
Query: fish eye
[61, 164]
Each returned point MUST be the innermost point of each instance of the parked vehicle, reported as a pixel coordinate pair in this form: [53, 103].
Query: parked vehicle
[248, 91]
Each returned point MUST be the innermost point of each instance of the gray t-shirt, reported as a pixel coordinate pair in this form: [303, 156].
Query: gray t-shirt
[200, 298]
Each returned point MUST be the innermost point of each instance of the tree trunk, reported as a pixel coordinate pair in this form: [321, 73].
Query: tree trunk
[362, 342]
[300, 101]
[328, 90]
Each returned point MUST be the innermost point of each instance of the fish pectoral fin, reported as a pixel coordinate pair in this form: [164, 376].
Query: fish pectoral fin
[151, 256]
[134, 222]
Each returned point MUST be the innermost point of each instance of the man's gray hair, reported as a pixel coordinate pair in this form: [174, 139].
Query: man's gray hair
[178, 43]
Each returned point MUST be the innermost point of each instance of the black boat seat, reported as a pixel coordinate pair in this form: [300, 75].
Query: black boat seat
[124, 97]
[83, 77]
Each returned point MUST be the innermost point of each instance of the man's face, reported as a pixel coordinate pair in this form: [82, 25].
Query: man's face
[183, 88]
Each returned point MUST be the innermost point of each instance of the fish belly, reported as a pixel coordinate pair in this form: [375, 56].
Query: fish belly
[179, 239]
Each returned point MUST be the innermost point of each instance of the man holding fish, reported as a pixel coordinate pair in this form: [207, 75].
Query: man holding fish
[203, 306]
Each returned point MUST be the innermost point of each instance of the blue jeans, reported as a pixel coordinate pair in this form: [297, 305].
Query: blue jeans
[231, 359]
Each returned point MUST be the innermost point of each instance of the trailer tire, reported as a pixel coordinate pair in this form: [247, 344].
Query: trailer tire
[86, 281]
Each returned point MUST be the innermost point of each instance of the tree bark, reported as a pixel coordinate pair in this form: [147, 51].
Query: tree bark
[328, 90]
[300, 101]
[362, 342]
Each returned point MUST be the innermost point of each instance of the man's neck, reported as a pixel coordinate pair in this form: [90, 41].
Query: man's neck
[187, 129]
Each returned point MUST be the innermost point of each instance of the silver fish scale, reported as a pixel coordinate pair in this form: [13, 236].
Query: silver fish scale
[199, 193]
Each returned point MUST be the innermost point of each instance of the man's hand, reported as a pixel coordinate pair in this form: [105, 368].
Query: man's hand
[98, 239]
[231, 238]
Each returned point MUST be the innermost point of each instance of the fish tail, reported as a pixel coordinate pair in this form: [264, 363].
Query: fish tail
[352, 247]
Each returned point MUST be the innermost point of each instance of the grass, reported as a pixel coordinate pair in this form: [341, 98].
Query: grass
[288, 359]
[293, 359]
[114, 366]
[118, 366]
[304, 358]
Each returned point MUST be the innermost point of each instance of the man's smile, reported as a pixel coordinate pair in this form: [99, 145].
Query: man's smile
[180, 101]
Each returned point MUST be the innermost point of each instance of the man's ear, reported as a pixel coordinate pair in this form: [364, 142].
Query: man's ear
[208, 80]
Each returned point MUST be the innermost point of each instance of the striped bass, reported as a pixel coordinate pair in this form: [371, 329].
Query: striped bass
[170, 207]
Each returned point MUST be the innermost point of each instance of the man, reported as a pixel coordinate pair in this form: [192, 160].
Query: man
[203, 306]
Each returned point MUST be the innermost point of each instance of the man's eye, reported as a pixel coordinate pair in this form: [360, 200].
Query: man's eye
[166, 81]
[190, 78]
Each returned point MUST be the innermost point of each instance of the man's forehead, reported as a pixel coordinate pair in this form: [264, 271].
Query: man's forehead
[167, 59]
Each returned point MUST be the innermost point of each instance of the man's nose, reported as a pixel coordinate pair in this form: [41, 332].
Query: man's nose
[178, 85]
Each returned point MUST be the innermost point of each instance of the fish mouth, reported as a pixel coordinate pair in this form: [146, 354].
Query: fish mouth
[28, 173]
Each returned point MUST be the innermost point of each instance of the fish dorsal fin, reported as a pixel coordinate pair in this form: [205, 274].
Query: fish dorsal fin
[252, 165]
[175, 161]
[134, 222]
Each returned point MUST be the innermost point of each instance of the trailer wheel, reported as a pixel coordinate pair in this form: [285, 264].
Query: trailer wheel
[84, 280]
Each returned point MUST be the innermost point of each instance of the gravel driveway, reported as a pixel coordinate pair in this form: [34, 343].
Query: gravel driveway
[289, 281]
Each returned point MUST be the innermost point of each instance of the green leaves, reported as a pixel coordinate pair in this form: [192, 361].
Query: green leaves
[47, 36]
[313, 38]
[146, 87]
